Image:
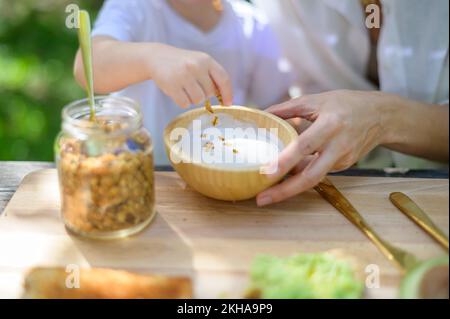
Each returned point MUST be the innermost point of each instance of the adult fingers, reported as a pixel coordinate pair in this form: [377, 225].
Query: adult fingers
[222, 81]
[308, 143]
[305, 162]
[299, 183]
[298, 107]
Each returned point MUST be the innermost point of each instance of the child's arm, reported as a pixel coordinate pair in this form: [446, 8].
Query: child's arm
[188, 77]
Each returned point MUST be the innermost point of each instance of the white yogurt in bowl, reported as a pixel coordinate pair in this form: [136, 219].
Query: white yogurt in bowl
[221, 155]
[225, 142]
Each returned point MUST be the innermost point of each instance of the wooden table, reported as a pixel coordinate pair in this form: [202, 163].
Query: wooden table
[214, 242]
[12, 173]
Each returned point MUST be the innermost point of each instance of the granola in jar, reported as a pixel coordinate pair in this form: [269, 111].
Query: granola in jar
[105, 170]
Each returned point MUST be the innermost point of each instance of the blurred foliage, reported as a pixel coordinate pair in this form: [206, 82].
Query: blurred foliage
[36, 57]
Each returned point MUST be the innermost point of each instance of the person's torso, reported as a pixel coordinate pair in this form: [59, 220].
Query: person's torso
[328, 44]
[226, 43]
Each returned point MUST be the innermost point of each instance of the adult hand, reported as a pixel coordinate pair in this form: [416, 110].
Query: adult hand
[346, 126]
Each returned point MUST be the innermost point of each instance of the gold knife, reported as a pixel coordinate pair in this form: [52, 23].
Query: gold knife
[403, 259]
[416, 214]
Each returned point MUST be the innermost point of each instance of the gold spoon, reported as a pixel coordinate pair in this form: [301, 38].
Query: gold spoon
[404, 260]
[407, 206]
[84, 37]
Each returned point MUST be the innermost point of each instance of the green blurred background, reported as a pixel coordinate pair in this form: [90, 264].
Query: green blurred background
[36, 81]
[36, 56]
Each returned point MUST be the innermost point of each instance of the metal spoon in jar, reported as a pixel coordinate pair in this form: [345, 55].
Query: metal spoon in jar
[84, 38]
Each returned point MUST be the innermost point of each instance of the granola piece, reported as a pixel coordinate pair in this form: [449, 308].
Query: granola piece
[208, 106]
[219, 97]
[209, 146]
[215, 120]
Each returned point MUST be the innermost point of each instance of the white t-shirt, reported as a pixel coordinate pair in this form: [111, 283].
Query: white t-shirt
[241, 42]
[328, 45]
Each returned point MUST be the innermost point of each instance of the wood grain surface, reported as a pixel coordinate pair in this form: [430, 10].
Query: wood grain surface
[12, 173]
[214, 242]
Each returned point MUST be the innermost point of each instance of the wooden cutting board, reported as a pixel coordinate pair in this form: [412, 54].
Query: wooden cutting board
[214, 242]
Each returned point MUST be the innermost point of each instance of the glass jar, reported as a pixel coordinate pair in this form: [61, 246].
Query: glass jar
[105, 169]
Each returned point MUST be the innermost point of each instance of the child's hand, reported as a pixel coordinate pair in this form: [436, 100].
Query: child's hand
[188, 77]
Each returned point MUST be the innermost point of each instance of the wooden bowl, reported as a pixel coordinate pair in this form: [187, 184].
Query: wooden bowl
[227, 183]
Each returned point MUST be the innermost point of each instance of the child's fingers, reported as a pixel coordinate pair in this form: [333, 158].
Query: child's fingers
[208, 86]
[222, 82]
[180, 97]
[195, 92]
